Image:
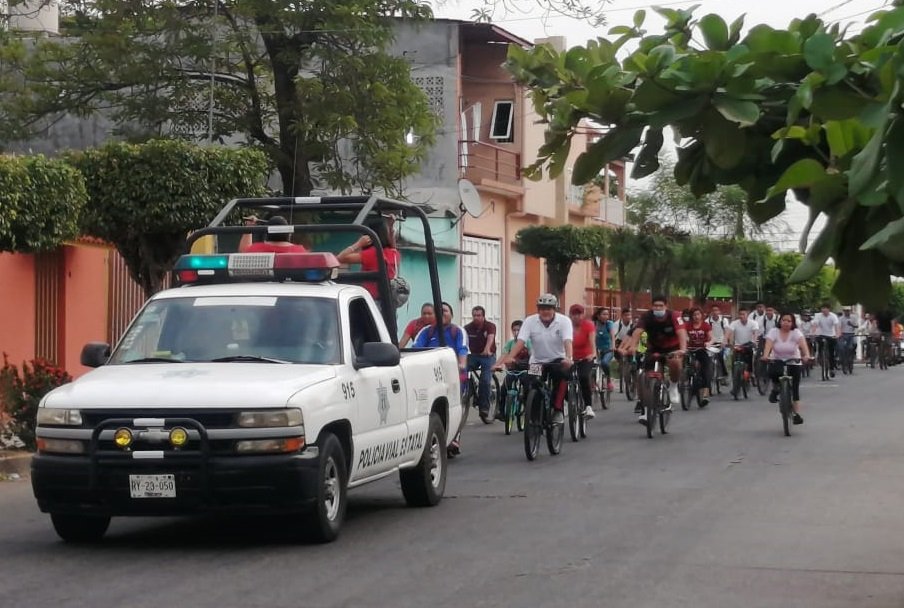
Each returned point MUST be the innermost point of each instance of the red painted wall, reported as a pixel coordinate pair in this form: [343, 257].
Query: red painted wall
[85, 310]
[17, 306]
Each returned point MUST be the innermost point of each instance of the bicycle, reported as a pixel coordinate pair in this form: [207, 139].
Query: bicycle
[539, 413]
[514, 406]
[574, 410]
[627, 372]
[474, 391]
[715, 361]
[691, 380]
[601, 381]
[739, 373]
[823, 356]
[785, 406]
[656, 402]
[760, 369]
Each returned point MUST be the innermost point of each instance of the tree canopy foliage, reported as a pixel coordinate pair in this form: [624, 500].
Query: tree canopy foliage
[561, 246]
[145, 198]
[807, 109]
[795, 296]
[310, 83]
[40, 203]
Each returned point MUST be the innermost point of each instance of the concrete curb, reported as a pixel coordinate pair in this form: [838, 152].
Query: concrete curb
[15, 462]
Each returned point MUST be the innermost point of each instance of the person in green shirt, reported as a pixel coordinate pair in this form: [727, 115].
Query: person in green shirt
[518, 364]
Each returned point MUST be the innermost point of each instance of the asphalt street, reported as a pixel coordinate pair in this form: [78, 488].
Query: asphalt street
[724, 511]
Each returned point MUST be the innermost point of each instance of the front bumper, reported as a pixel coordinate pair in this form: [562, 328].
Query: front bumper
[81, 484]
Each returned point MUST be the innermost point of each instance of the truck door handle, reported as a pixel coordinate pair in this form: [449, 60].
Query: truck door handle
[396, 387]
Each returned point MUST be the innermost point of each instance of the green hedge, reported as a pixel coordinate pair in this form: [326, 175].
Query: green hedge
[41, 200]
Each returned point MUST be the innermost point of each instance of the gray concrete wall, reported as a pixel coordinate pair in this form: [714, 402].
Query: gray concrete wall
[433, 50]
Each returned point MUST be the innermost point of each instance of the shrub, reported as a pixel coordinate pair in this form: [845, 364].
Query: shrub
[21, 392]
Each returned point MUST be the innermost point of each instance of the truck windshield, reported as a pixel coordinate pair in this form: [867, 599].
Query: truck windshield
[266, 329]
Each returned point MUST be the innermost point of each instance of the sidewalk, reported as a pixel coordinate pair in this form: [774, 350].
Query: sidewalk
[14, 464]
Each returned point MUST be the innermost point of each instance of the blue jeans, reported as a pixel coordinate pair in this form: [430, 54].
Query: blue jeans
[485, 364]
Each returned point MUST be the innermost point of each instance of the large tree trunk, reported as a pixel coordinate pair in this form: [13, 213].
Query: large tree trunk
[150, 257]
[557, 276]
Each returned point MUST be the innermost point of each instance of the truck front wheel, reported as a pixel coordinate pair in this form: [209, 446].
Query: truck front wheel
[326, 516]
[424, 485]
[77, 528]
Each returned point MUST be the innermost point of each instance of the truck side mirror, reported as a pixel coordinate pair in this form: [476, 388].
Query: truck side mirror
[95, 354]
[379, 354]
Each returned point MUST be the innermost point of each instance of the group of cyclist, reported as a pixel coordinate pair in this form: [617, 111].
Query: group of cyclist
[573, 346]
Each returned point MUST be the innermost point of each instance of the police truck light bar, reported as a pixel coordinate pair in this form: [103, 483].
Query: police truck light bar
[313, 267]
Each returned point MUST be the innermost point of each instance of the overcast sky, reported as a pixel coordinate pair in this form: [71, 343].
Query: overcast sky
[532, 24]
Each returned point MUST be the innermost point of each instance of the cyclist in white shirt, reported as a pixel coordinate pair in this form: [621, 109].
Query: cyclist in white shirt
[757, 314]
[767, 322]
[720, 327]
[850, 323]
[743, 332]
[828, 329]
[550, 335]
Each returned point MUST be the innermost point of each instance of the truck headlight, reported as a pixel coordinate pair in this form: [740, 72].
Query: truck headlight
[59, 417]
[271, 418]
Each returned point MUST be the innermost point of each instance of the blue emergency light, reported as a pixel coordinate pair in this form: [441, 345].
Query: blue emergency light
[310, 267]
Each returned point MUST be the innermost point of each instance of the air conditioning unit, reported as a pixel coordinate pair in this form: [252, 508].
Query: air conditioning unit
[35, 16]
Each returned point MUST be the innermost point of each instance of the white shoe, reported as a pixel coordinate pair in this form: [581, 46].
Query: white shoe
[642, 418]
[674, 397]
[588, 412]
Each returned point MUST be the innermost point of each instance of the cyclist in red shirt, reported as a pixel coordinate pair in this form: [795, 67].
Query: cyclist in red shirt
[584, 352]
[428, 317]
[666, 335]
[364, 253]
[699, 336]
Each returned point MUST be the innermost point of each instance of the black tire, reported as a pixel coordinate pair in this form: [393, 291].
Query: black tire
[664, 418]
[533, 423]
[762, 377]
[424, 485]
[684, 390]
[583, 422]
[653, 409]
[737, 381]
[495, 392]
[571, 411]
[325, 518]
[511, 403]
[630, 383]
[784, 406]
[555, 433]
[79, 528]
[745, 386]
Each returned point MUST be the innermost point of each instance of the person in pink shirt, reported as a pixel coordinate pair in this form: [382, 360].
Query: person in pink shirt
[783, 343]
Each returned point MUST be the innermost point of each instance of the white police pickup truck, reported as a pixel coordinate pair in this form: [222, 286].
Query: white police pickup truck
[260, 383]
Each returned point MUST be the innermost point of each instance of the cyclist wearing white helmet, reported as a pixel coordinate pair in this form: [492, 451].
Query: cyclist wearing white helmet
[550, 335]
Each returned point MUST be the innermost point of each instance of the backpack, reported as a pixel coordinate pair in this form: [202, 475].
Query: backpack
[399, 288]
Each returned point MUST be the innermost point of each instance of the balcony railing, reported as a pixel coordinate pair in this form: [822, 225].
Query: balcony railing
[478, 161]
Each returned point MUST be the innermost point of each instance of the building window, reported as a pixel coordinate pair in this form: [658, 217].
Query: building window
[503, 118]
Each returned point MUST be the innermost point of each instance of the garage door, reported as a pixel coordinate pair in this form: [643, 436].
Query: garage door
[482, 279]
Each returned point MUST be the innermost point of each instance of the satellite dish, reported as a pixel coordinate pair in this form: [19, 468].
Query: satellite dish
[470, 198]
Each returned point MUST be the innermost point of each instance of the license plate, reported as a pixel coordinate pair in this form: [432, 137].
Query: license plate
[152, 486]
[535, 369]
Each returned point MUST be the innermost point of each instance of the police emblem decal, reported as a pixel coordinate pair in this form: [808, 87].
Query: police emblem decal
[383, 402]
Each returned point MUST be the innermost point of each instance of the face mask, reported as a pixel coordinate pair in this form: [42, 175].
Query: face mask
[659, 314]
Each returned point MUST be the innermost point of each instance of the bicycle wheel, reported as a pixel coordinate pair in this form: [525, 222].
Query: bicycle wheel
[652, 407]
[495, 391]
[784, 406]
[737, 380]
[511, 403]
[745, 383]
[630, 382]
[762, 378]
[571, 411]
[684, 390]
[555, 433]
[583, 422]
[533, 424]
[824, 360]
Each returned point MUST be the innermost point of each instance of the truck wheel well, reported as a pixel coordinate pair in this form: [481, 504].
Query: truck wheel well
[342, 429]
[441, 407]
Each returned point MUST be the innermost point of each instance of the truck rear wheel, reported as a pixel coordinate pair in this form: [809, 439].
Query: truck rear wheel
[326, 516]
[78, 528]
[424, 485]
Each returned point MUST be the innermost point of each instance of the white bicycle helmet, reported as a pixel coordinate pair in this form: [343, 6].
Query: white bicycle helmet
[548, 299]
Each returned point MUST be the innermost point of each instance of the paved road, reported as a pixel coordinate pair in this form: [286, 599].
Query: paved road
[723, 512]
